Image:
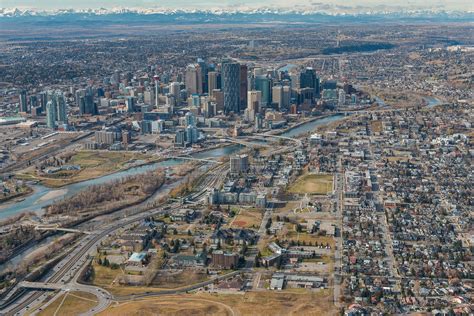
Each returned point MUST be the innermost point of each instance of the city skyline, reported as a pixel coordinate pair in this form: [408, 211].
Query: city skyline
[160, 157]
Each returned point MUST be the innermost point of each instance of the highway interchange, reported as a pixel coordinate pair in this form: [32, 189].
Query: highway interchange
[68, 270]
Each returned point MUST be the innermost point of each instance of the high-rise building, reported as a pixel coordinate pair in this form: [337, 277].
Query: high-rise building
[239, 164]
[231, 87]
[203, 75]
[100, 92]
[224, 260]
[146, 127]
[156, 80]
[254, 101]
[243, 86]
[193, 79]
[209, 109]
[43, 100]
[192, 134]
[263, 84]
[341, 97]
[33, 101]
[51, 114]
[107, 137]
[189, 119]
[87, 105]
[175, 89]
[258, 121]
[61, 107]
[212, 82]
[180, 138]
[23, 104]
[218, 96]
[130, 102]
[305, 96]
[149, 97]
[309, 79]
[277, 96]
[286, 98]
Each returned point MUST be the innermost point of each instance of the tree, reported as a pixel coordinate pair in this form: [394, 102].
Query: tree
[176, 246]
[299, 228]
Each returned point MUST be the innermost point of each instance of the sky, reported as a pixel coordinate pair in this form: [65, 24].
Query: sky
[463, 5]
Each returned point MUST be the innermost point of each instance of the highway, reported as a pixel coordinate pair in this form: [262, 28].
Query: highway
[70, 267]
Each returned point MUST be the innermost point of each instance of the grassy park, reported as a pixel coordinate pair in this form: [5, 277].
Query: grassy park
[71, 303]
[292, 302]
[319, 184]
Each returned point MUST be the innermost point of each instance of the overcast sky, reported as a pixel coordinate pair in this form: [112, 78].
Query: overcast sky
[465, 5]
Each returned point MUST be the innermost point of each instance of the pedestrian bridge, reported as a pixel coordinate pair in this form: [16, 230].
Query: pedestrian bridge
[57, 228]
[45, 286]
[193, 159]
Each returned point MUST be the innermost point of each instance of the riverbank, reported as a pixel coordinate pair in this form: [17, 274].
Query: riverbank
[85, 174]
[288, 129]
[53, 195]
[27, 190]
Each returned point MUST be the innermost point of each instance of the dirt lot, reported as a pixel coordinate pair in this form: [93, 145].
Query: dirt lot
[247, 219]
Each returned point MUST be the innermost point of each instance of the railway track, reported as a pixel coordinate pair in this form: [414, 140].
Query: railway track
[211, 180]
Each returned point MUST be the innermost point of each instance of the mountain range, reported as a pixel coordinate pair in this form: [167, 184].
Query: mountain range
[259, 15]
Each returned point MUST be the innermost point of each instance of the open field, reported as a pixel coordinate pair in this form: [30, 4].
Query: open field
[313, 184]
[290, 302]
[376, 126]
[176, 280]
[71, 303]
[105, 277]
[93, 164]
[247, 219]
[309, 238]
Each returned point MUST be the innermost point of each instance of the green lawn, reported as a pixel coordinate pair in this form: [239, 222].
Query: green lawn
[313, 184]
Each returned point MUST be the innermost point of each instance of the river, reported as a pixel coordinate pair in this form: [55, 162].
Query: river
[310, 126]
[432, 101]
[43, 196]
[39, 198]
[34, 202]
[287, 67]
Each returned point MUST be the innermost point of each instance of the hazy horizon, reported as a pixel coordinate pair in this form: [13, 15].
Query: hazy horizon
[341, 5]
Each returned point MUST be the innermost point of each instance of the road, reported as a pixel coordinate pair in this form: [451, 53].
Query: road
[383, 220]
[339, 190]
[68, 270]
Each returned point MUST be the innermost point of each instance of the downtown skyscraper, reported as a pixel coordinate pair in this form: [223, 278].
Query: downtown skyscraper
[51, 114]
[309, 79]
[231, 87]
[23, 103]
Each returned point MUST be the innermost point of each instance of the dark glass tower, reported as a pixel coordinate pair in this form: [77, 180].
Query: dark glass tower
[231, 87]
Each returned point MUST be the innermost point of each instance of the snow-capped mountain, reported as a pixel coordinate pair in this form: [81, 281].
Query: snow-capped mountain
[260, 11]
